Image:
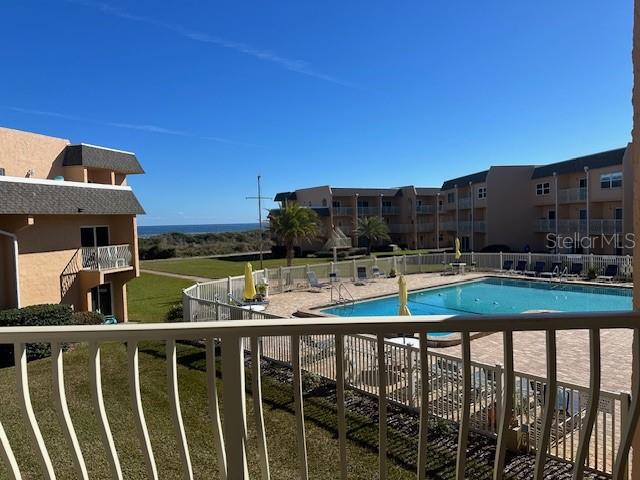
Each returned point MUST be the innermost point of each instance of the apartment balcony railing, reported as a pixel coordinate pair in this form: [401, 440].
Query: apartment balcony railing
[448, 225]
[605, 226]
[464, 226]
[106, 258]
[464, 202]
[572, 195]
[572, 226]
[343, 211]
[480, 226]
[544, 225]
[425, 209]
[367, 211]
[426, 227]
[390, 210]
[400, 228]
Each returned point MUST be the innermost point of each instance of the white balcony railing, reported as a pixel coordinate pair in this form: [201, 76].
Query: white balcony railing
[464, 202]
[426, 227]
[106, 258]
[544, 225]
[480, 226]
[425, 209]
[448, 225]
[367, 211]
[391, 210]
[605, 226]
[572, 195]
[333, 340]
[343, 211]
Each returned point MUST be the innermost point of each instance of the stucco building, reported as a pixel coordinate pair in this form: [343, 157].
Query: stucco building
[575, 205]
[67, 223]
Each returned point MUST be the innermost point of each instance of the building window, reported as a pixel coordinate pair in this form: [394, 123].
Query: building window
[451, 197]
[336, 204]
[611, 180]
[543, 188]
[386, 203]
[482, 192]
[324, 202]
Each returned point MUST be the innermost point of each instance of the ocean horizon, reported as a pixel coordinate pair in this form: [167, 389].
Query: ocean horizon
[151, 230]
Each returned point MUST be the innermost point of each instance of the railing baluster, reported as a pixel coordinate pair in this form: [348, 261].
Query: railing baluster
[95, 381]
[60, 398]
[594, 399]
[549, 406]
[6, 454]
[463, 432]
[176, 414]
[508, 386]
[256, 393]
[214, 408]
[424, 407]
[303, 468]
[234, 400]
[382, 410]
[22, 377]
[628, 430]
[342, 424]
[138, 412]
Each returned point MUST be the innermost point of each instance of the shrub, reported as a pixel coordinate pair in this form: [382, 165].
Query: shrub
[592, 273]
[175, 313]
[33, 316]
[87, 318]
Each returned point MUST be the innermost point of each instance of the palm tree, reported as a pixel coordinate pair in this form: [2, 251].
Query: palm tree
[293, 224]
[374, 230]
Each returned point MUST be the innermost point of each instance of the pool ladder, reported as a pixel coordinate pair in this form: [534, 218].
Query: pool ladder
[341, 294]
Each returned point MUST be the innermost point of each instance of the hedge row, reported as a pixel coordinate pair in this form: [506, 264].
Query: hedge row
[40, 316]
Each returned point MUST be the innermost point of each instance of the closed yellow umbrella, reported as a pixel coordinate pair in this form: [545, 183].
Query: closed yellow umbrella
[404, 297]
[458, 253]
[249, 286]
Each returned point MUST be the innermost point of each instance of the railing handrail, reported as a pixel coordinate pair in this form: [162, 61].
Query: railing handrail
[324, 325]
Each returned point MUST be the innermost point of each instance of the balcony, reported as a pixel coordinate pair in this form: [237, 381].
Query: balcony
[465, 226]
[112, 257]
[426, 227]
[480, 226]
[572, 195]
[368, 211]
[400, 228]
[544, 225]
[425, 209]
[390, 210]
[572, 226]
[343, 211]
[605, 226]
[448, 225]
[464, 202]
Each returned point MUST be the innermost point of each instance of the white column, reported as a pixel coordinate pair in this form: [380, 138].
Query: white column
[555, 183]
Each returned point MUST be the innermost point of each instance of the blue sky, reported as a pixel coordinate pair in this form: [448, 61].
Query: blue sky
[309, 93]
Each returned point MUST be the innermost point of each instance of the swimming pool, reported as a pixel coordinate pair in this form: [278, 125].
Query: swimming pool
[495, 295]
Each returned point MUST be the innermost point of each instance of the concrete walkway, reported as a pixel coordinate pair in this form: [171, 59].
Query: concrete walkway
[177, 275]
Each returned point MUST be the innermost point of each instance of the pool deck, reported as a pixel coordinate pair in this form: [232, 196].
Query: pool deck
[529, 347]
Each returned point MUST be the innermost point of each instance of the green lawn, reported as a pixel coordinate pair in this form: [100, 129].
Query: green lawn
[150, 296]
[218, 267]
[279, 422]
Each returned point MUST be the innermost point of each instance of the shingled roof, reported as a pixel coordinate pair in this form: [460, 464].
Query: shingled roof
[50, 197]
[477, 177]
[100, 157]
[596, 160]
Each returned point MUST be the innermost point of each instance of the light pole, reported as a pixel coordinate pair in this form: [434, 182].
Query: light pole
[259, 198]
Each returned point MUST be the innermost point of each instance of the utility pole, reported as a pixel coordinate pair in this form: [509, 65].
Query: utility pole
[259, 198]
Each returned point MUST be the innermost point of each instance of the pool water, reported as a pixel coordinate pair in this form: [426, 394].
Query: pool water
[495, 296]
